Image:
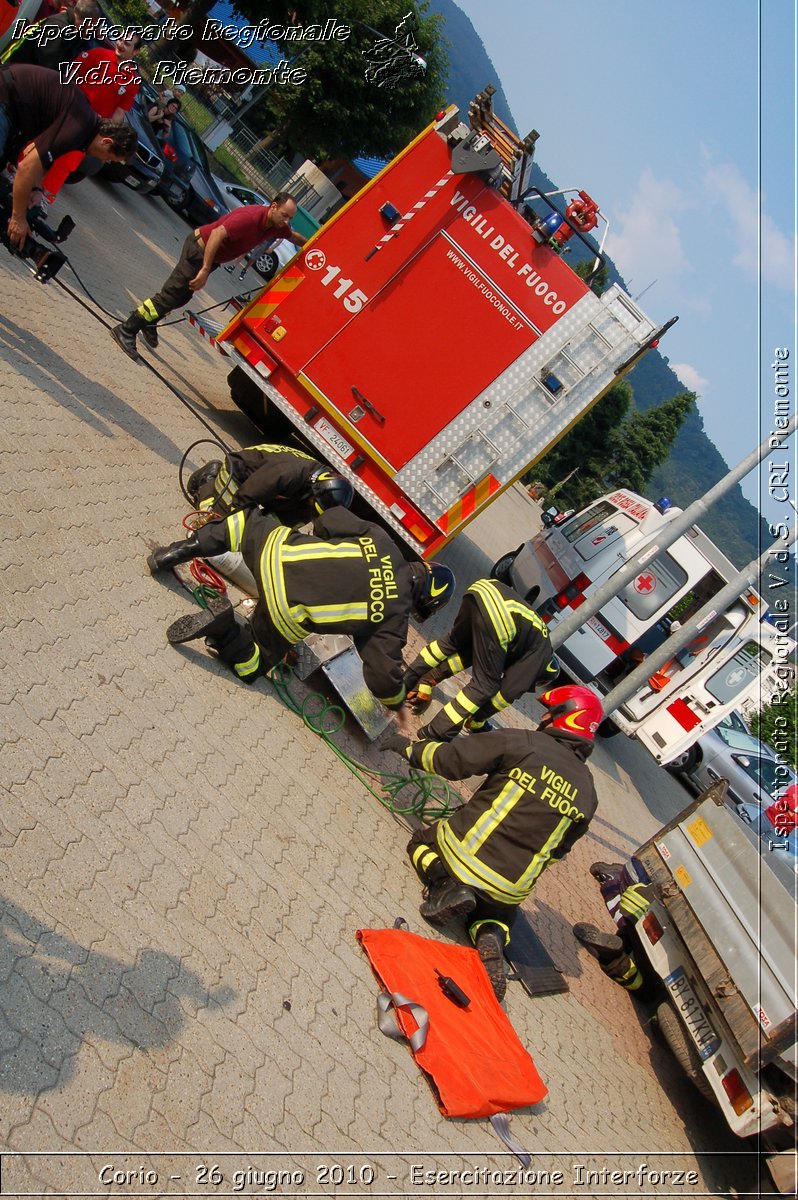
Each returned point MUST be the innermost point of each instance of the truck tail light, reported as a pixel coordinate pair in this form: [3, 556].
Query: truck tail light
[652, 927]
[572, 595]
[737, 1092]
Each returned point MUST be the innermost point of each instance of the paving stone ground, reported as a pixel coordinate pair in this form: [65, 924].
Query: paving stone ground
[186, 863]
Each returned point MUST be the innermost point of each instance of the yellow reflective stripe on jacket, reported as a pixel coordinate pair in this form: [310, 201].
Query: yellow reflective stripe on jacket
[432, 655]
[225, 486]
[496, 609]
[455, 664]
[499, 702]
[326, 614]
[428, 756]
[235, 530]
[527, 614]
[503, 804]
[393, 701]
[543, 856]
[311, 553]
[273, 586]
[473, 872]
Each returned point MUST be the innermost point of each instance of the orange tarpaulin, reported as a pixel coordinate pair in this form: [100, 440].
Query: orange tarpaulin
[472, 1055]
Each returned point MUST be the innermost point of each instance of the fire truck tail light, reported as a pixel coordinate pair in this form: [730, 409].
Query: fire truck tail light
[653, 929]
[737, 1092]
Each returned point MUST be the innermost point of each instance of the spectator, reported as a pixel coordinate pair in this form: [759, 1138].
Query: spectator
[61, 49]
[41, 119]
[116, 75]
[160, 116]
[203, 250]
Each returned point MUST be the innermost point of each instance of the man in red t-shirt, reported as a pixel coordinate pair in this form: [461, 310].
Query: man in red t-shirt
[203, 250]
[108, 77]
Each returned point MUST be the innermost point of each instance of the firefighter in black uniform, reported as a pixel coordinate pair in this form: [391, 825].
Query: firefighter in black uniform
[506, 645]
[285, 481]
[351, 578]
[628, 898]
[537, 800]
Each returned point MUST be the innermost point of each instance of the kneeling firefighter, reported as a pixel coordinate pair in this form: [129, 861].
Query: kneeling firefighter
[506, 645]
[627, 892]
[351, 578]
[285, 481]
[538, 799]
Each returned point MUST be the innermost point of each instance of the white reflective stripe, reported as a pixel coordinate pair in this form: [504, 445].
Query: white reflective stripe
[235, 530]
[455, 664]
[499, 702]
[246, 668]
[273, 584]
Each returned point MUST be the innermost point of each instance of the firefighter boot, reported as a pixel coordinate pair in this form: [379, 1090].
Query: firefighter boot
[447, 900]
[602, 946]
[605, 872]
[200, 477]
[235, 646]
[169, 556]
[216, 622]
[125, 334]
[490, 948]
[150, 335]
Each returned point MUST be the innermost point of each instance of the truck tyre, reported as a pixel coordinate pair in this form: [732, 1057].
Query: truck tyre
[246, 395]
[678, 1042]
[501, 568]
[684, 763]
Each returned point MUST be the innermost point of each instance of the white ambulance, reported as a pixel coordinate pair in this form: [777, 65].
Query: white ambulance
[562, 566]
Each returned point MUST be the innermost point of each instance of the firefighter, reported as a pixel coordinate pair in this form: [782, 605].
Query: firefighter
[628, 899]
[348, 578]
[537, 800]
[506, 645]
[204, 249]
[288, 483]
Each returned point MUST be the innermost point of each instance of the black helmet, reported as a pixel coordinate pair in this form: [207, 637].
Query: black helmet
[549, 673]
[437, 589]
[201, 476]
[329, 489]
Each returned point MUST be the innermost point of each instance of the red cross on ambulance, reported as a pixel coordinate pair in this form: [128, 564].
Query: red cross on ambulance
[645, 583]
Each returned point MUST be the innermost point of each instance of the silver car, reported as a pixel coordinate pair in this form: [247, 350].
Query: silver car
[730, 751]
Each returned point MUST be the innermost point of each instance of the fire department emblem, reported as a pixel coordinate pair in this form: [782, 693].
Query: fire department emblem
[315, 260]
[645, 583]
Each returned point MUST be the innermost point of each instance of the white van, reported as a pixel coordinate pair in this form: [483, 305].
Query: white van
[560, 568]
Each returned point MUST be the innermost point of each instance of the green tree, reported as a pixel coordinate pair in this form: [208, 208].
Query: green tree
[599, 283]
[777, 724]
[645, 441]
[586, 447]
[338, 111]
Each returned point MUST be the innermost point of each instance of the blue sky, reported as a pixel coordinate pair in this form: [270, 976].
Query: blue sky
[661, 112]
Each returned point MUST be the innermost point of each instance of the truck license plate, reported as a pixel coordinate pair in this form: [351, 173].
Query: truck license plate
[333, 438]
[691, 1012]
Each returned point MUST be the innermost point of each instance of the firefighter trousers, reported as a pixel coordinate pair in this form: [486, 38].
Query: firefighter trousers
[213, 539]
[432, 869]
[467, 644]
[175, 292]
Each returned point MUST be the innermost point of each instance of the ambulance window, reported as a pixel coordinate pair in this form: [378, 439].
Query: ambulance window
[600, 536]
[580, 524]
[659, 580]
[747, 665]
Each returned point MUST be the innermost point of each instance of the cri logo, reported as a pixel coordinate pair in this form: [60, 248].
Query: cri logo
[645, 583]
[315, 260]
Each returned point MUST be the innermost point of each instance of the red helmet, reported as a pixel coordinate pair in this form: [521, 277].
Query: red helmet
[574, 709]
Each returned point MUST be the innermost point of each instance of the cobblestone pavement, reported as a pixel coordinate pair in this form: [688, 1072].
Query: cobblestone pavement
[186, 864]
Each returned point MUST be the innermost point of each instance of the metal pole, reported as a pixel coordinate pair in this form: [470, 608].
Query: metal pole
[713, 608]
[666, 537]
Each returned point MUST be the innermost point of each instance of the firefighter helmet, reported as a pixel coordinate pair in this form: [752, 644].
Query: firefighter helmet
[202, 475]
[437, 590]
[550, 673]
[329, 489]
[573, 709]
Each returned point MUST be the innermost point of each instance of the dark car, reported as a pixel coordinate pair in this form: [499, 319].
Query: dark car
[144, 172]
[187, 168]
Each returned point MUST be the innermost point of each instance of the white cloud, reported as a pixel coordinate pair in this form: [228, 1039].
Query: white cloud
[646, 245]
[691, 378]
[728, 190]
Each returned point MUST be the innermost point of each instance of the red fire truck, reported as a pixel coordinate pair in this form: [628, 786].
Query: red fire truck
[430, 341]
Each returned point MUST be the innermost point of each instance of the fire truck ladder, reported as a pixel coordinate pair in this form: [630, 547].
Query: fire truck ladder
[516, 153]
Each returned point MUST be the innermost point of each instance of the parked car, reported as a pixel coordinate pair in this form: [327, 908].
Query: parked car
[144, 173]
[189, 162]
[730, 751]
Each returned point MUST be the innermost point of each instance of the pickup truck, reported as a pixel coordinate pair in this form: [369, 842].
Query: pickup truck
[721, 938]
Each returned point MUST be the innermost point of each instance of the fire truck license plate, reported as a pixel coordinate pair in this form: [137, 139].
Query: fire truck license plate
[691, 1012]
[333, 438]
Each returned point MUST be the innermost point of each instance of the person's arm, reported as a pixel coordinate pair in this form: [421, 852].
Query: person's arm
[30, 173]
[212, 247]
[296, 238]
[154, 113]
